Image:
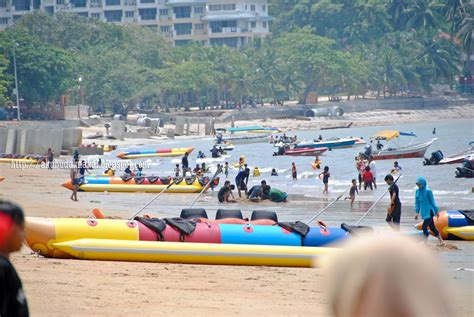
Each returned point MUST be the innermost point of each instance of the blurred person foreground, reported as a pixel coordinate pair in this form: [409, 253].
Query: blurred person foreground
[390, 275]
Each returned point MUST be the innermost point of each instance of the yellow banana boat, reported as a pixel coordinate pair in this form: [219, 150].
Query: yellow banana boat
[155, 153]
[464, 233]
[128, 240]
[139, 184]
[20, 160]
[190, 253]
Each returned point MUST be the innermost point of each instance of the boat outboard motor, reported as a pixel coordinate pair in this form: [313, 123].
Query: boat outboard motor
[467, 169]
[435, 158]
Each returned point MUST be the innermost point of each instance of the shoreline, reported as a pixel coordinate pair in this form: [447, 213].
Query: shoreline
[75, 287]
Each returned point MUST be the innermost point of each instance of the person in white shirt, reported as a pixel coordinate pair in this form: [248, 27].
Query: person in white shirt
[373, 169]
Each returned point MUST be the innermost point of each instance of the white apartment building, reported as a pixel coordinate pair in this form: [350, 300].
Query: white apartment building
[213, 22]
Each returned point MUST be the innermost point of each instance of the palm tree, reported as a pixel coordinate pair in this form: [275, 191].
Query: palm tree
[466, 34]
[397, 10]
[439, 56]
[423, 14]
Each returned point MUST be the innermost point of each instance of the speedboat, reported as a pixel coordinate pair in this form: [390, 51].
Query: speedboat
[392, 150]
[329, 143]
[458, 157]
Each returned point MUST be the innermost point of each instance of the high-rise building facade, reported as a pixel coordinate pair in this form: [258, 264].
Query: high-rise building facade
[213, 22]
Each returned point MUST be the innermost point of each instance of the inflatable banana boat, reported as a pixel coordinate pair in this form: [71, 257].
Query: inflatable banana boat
[152, 153]
[232, 240]
[454, 224]
[151, 184]
[22, 159]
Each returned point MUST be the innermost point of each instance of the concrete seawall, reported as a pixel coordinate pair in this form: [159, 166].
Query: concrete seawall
[348, 106]
[35, 138]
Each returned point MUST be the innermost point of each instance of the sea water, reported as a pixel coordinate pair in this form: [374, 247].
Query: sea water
[450, 192]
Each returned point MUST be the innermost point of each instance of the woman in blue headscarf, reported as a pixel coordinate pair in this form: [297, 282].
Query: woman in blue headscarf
[426, 206]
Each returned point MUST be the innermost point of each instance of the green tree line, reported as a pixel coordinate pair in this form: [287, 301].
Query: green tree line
[347, 47]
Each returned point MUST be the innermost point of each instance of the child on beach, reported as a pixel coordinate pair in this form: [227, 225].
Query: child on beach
[12, 298]
[293, 171]
[177, 170]
[396, 168]
[325, 177]
[226, 169]
[368, 178]
[352, 192]
[360, 166]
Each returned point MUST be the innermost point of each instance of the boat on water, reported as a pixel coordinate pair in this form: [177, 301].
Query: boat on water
[305, 151]
[328, 143]
[227, 146]
[458, 157]
[467, 168]
[241, 138]
[454, 224]
[393, 150]
[149, 184]
[155, 153]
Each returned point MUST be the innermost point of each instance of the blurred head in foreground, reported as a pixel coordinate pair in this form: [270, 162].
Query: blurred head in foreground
[12, 223]
[386, 276]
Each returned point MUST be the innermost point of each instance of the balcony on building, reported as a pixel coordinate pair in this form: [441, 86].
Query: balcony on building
[19, 6]
[185, 2]
[113, 15]
[95, 4]
[113, 3]
[76, 4]
[147, 15]
[146, 3]
[183, 29]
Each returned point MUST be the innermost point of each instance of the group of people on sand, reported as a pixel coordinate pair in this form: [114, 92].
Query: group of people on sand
[256, 193]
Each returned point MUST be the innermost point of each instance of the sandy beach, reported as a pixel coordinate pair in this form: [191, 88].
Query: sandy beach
[56, 287]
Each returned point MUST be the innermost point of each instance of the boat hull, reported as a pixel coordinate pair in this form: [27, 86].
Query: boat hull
[305, 151]
[117, 185]
[155, 153]
[189, 253]
[328, 144]
[42, 233]
[241, 139]
[453, 224]
[412, 151]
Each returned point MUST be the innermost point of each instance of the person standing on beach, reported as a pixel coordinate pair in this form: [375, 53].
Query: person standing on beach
[394, 211]
[226, 169]
[360, 166]
[12, 226]
[368, 178]
[74, 176]
[293, 171]
[185, 163]
[426, 206]
[325, 177]
[373, 170]
[177, 171]
[50, 158]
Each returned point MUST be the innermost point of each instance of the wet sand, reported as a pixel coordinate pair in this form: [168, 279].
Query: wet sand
[56, 287]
